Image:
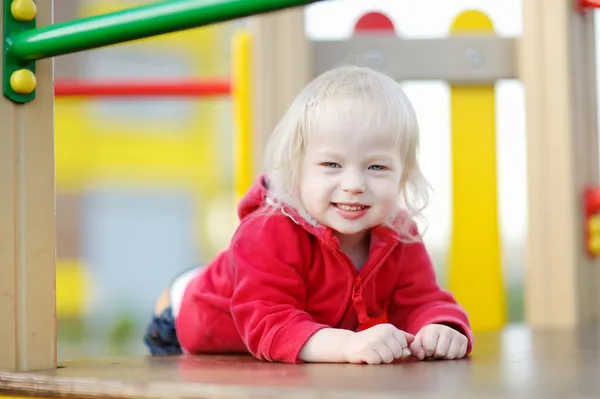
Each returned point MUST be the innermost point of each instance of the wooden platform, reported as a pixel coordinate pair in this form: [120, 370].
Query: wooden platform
[513, 364]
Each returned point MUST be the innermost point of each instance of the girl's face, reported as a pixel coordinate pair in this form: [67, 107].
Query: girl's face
[350, 177]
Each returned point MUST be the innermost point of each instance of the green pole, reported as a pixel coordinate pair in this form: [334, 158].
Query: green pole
[135, 23]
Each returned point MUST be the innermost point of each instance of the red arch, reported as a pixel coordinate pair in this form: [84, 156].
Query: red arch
[374, 21]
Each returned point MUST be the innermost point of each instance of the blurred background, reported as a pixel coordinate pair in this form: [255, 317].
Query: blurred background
[145, 186]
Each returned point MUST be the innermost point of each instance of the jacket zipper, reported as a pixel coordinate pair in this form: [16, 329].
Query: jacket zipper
[357, 299]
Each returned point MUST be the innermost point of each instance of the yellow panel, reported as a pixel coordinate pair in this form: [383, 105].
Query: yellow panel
[113, 157]
[475, 274]
[92, 150]
[71, 288]
[242, 95]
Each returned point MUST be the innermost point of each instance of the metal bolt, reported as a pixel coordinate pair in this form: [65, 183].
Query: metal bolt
[474, 58]
[374, 58]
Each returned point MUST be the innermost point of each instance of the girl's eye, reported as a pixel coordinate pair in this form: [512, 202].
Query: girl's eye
[330, 165]
[378, 167]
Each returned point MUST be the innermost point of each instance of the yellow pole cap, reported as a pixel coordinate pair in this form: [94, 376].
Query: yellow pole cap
[23, 81]
[23, 10]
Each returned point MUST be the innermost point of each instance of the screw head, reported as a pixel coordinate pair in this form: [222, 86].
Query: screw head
[23, 81]
[474, 58]
[23, 10]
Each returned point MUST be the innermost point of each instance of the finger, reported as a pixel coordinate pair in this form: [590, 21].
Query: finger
[403, 338]
[454, 350]
[395, 346]
[416, 348]
[385, 353]
[371, 356]
[429, 343]
[463, 349]
[443, 345]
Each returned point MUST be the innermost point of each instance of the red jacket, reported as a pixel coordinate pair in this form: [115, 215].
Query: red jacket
[282, 279]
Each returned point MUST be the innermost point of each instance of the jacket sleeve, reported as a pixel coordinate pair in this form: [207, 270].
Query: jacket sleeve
[418, 300]
[269, 293]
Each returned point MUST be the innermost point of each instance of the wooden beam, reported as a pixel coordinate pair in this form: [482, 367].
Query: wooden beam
[27, 225]
[555, 363]
[282, 67]
[558, 70]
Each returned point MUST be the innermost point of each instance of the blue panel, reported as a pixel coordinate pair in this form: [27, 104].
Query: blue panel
[134, 243]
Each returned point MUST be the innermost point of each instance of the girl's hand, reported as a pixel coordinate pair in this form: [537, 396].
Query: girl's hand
[382, 343]
[440, 342]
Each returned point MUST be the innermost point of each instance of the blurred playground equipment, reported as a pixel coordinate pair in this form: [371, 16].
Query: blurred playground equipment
[271, 59]
[95, 150]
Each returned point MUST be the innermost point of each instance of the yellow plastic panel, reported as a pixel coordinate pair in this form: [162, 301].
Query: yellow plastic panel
[475, 274]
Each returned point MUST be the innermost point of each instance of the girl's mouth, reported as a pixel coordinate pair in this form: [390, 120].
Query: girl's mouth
[347, 207]
[351, 211]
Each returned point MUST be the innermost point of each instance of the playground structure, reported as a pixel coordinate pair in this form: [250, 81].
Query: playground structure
[555, 51]
[95, 151]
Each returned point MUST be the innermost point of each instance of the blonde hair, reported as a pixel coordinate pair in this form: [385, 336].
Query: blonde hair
[383, 105]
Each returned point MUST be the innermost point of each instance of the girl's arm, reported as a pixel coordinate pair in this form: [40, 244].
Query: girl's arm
[268, 259]
[327, 346]
[418, 300]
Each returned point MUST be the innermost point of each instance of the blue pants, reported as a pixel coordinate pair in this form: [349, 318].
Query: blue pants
[161, 337]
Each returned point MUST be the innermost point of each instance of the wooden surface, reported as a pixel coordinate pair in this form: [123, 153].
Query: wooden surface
[27, 223]
[282, 59]
[556, 57]
[515, 363]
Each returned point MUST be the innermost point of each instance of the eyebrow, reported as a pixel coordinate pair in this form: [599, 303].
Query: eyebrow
[332, 153]
[381, 158]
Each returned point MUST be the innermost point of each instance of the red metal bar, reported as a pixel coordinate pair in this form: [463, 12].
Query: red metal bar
[179, 88]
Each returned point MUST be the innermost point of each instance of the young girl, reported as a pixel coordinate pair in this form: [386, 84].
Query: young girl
[327, 264]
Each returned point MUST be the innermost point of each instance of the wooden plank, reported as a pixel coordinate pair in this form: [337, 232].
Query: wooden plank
[586, 154]
[27, 225]
[419, 59]
[557, 69]
[282, 60]
[294, 63]
[263, 29]
[68, 66]
[513, 363]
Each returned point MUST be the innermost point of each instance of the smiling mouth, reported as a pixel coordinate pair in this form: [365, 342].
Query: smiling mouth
[346, 207]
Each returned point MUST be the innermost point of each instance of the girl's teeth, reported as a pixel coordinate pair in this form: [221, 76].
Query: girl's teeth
[350, 208]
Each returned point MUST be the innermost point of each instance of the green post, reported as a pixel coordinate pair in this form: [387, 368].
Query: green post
[23, 46]
[18, 16]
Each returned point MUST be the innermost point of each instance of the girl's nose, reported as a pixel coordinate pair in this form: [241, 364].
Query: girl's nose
[354, 183]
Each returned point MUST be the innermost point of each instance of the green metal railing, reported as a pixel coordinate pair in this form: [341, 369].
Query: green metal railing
[24, 45]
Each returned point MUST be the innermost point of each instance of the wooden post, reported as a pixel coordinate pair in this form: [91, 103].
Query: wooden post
[27, 224]
[282, 61]
[557, 68]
